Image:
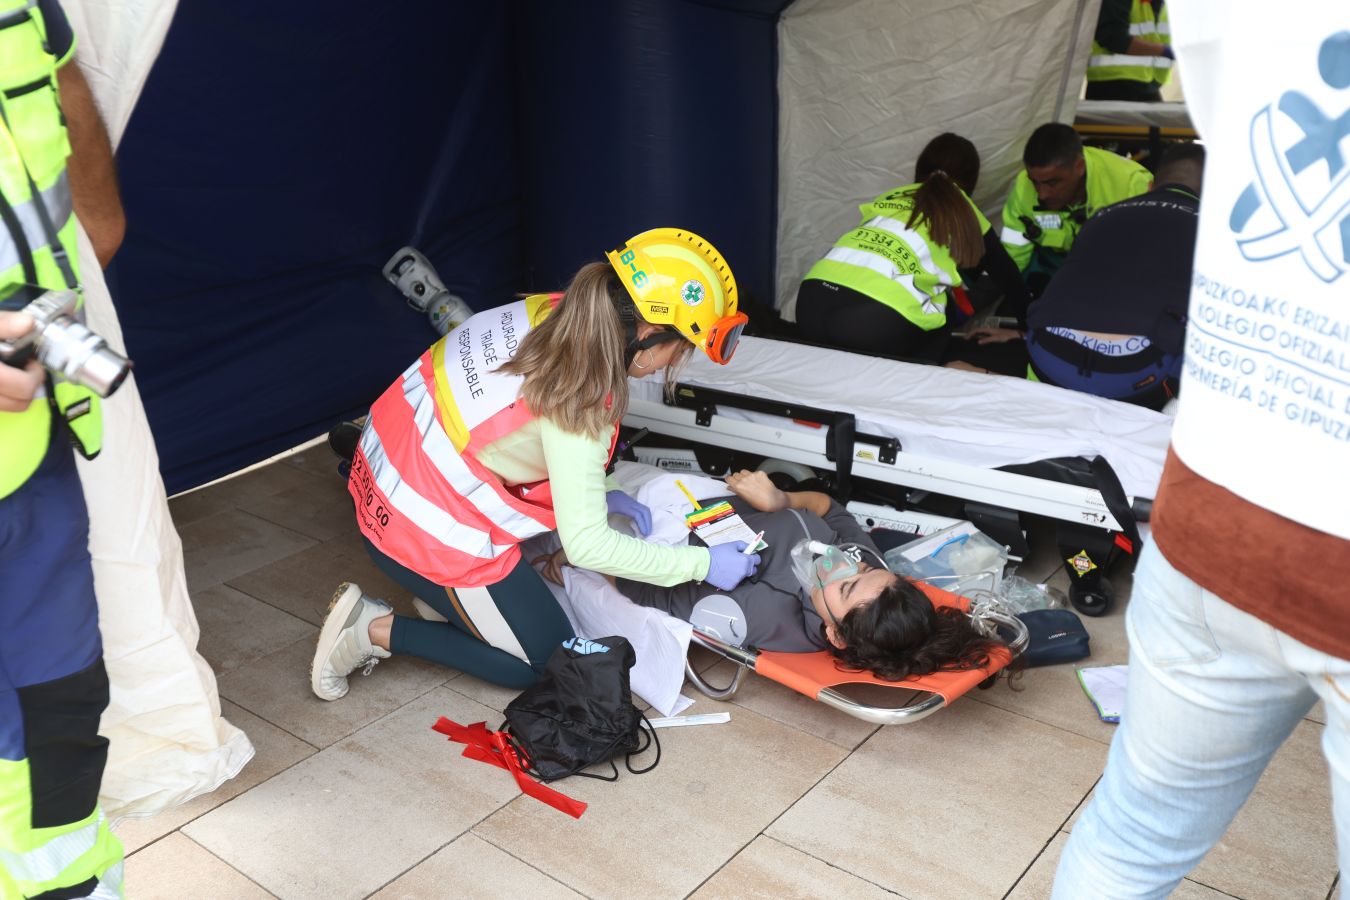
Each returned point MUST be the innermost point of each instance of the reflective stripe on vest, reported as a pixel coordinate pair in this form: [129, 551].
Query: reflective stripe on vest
[899, 265]
[109, 884]
[401, 500]
[457, 471]
[37, 860]
[421, 494]
[1122, 60]
[915, 240]
[1103, 65]
[1109, 179]
[14, 16]
[57, 201]
[1148, 30]
[51, 859]
[34, 145]
[886, 269]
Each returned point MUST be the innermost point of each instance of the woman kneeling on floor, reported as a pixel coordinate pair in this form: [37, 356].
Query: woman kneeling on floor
[501, 431]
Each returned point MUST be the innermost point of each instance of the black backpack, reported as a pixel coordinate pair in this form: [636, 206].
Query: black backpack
[580, 713]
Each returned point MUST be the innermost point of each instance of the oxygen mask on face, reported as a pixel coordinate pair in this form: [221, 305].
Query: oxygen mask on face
[817, 564]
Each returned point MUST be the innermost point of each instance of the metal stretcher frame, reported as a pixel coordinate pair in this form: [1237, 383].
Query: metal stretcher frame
[816, 675]
[835, 445]
[1103, 132]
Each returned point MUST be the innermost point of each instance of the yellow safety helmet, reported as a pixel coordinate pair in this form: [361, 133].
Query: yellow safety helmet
[677, 278]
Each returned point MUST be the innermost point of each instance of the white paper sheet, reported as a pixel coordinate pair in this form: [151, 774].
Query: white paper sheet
[1105, 687]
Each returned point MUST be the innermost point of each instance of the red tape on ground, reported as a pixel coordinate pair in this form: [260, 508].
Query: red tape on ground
[493, 748]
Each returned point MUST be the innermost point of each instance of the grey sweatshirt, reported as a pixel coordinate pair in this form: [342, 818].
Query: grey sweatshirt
[778, 612]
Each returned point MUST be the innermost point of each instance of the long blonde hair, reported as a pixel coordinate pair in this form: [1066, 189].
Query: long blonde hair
[574, 362]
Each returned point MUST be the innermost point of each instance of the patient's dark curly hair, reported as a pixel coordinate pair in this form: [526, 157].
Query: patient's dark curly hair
[901, 634]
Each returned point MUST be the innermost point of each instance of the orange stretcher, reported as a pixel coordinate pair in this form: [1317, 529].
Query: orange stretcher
[817, 675]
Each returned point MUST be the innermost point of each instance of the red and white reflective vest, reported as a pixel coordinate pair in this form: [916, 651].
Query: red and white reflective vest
[422, 497]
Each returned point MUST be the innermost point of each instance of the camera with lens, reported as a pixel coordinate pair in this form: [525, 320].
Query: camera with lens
[62, 343]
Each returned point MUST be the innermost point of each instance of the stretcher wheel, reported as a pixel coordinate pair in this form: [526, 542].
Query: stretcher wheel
[795, 471]
[1095, 600]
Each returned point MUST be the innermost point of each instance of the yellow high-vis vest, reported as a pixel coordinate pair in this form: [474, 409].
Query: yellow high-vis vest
[37, 228]
[901, 267]
[1145, 23]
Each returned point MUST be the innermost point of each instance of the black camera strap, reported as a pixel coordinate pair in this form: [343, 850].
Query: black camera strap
[20, 239]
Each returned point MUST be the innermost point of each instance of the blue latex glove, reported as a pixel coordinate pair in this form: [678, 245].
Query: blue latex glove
[729, 565]
[624, 505]
[1169, 52]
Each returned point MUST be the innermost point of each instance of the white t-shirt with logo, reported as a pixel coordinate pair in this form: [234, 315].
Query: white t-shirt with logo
[1265, 393]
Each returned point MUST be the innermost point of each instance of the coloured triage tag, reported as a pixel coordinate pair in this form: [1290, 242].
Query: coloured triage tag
[720, 524]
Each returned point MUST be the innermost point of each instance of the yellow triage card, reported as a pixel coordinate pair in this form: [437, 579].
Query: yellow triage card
[720, 524]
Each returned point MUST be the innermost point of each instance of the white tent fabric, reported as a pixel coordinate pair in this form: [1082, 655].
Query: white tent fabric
[864, 84]
[169, 742]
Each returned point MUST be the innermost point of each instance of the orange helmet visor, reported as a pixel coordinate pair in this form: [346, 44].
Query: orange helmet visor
[724, 337]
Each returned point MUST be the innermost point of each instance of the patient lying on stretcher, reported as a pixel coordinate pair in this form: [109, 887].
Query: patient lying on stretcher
[870, 619]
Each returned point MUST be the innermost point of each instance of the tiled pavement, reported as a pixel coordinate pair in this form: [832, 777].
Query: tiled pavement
[359, 798]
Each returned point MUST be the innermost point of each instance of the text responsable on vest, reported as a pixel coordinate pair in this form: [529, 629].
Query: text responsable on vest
[481, 344]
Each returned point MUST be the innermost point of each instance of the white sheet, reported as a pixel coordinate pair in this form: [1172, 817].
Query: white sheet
[967, 417]
[596, 609]
[168, 740]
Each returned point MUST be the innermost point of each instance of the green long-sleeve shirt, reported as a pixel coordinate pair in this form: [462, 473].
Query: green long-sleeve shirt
[574, 466]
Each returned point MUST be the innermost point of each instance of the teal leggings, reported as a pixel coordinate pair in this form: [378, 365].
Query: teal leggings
[504, 633]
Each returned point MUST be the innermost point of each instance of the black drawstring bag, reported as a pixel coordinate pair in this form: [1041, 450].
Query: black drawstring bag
[580, 713]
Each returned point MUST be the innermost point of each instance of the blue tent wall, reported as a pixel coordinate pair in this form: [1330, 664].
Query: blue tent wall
[281, 152]
[642, 113]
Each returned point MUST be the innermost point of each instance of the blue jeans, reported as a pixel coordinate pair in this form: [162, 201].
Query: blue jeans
[1212, 694]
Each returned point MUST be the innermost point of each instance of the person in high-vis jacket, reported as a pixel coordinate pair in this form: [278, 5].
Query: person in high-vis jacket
[882, 289]
[54, 841]
[1062, 185]
[502, 431]
[1107, 325]
[1131, 52]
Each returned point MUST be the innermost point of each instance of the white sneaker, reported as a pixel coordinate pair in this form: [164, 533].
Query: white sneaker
[344, 641]
[425, 610]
